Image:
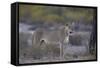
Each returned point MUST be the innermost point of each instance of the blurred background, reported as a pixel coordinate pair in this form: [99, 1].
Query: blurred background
[51, 14]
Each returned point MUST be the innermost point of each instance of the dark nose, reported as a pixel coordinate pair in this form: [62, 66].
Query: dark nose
[70, 32]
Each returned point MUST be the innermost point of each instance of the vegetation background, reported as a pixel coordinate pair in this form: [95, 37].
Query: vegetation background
[54, 14]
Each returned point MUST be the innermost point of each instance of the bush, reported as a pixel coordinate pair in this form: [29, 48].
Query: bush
[75, 40]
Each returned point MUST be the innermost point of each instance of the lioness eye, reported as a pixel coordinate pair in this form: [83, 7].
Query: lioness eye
[71, 32]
